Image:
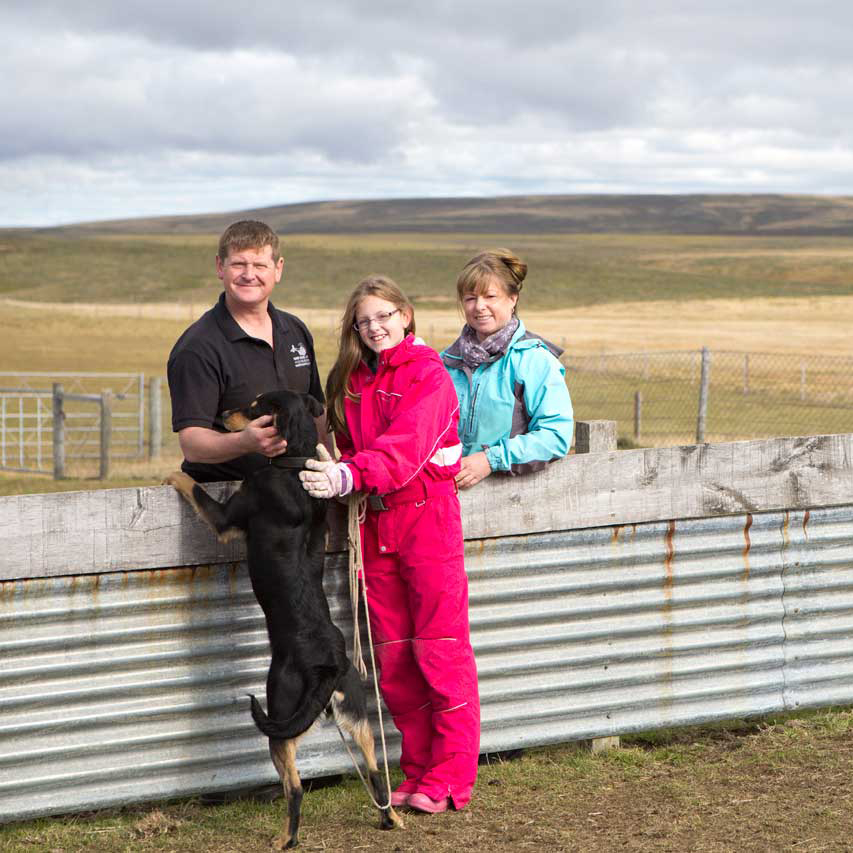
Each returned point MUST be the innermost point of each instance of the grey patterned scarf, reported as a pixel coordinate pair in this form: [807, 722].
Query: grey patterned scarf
[474, 352]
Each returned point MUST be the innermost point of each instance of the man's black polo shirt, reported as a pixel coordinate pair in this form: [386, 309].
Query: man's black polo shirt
[215, 366]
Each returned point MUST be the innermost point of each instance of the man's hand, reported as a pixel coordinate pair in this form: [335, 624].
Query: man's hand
[474, 468]
[260, 436]
[203, 444]
[325, 478]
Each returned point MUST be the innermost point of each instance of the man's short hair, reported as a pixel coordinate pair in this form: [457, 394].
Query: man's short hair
[247, 234]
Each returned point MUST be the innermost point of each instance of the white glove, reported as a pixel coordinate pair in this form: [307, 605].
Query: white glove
[325, 478]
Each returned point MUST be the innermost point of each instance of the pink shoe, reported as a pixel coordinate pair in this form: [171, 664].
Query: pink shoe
[422, 803]
[400, 798]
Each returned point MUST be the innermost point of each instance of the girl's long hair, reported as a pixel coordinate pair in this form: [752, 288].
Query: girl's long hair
[352, 350]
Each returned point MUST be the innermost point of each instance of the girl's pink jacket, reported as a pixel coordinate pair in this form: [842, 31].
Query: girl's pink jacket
[404, 426]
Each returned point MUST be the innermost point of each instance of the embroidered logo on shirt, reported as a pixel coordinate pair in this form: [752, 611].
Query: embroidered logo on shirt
[300, 355]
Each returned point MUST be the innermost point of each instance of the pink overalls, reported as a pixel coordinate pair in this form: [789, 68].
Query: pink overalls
[403, 446]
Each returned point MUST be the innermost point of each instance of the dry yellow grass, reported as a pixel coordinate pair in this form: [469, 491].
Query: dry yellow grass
[758, 325]
[818, 323]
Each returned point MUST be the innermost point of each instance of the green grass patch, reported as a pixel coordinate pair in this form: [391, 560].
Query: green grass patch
[778, 400]
[320, 270]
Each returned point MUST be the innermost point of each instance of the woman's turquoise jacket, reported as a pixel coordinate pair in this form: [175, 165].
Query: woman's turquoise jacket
[516, 408]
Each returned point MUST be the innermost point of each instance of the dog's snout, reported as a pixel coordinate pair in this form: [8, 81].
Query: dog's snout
[235, 420]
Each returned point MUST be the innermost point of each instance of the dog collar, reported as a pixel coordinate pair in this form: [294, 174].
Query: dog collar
[288, 461]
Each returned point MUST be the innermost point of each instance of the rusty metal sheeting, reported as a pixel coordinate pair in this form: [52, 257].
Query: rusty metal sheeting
[123, 687]
[612, 630]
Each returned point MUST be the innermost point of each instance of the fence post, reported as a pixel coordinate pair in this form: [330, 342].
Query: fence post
[106, 433]
[638, 413]
[155, 418]
[802, 380]
[596, 437]
[140, 416]
[704, 379]
[746, 373]
[58, 433]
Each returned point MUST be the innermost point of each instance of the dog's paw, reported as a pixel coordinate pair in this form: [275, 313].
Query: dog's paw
[391, 819]
[178, 479]
[230, 534]
[183, 483]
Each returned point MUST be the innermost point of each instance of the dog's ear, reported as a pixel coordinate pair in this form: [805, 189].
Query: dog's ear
[279, 416]
[315, 408]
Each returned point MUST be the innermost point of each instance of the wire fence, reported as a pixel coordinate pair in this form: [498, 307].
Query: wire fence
[656, 397]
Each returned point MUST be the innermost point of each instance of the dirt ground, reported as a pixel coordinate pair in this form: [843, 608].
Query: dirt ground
[784, 787]
[750, 787]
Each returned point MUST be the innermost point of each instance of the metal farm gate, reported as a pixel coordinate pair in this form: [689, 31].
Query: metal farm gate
[28, 409]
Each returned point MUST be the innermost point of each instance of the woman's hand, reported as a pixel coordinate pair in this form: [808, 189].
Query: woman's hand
[474, 468]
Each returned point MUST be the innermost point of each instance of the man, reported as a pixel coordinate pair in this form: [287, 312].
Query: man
[242, 347]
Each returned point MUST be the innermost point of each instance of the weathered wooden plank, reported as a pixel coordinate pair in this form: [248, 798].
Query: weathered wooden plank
[126, 529]
[633, 486]
[70, 533]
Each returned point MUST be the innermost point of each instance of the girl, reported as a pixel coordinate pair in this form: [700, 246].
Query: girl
[393, 409]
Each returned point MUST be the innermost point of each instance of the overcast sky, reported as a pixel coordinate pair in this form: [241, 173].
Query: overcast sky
[117, 109]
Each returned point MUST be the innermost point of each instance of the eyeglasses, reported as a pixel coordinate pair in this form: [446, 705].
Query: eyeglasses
[382, 318]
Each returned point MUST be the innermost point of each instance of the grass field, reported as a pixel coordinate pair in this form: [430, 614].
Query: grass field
[775, 784]
[566, 271]
[750, 395]
[669, 411]
[119, 303]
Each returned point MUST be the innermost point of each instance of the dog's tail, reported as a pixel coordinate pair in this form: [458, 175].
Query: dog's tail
[302, 719]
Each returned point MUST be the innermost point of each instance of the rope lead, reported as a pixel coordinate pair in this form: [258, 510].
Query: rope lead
[357, 506]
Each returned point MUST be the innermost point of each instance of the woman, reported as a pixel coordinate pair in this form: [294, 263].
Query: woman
[515, 413]
[394, 413]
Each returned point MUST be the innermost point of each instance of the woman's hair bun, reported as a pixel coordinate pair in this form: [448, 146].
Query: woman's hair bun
[513, 263]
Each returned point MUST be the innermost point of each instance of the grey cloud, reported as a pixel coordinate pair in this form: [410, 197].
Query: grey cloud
[133, 97]
[329, 26]
[358, 98]
[594, 65]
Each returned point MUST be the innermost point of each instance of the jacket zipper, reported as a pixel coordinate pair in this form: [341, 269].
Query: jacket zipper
[473, 404]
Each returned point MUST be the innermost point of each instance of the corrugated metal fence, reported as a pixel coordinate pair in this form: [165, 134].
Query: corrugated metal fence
[125, 656]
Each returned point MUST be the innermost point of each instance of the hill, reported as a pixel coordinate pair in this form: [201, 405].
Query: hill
[746, 215]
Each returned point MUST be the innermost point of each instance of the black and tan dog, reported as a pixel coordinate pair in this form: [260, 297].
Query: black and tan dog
[285, 538]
